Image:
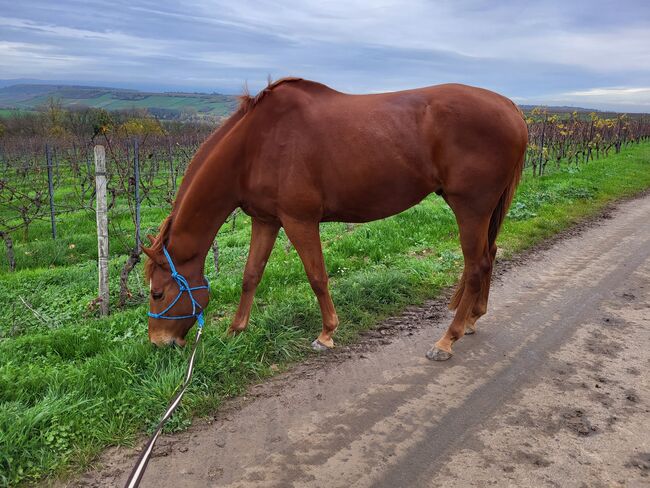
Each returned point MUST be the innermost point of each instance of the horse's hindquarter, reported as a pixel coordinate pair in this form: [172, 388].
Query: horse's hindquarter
[480, 139]
[360, 158]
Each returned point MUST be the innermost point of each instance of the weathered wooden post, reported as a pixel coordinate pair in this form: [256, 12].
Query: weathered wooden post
[541, 148]
[9, 244]
[172, 174]
[50, 188]
[102, 227]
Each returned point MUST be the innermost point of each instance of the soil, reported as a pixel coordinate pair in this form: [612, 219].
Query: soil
[553, 390]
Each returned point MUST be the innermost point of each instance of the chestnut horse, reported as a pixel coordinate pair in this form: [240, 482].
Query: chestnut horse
[301, 153]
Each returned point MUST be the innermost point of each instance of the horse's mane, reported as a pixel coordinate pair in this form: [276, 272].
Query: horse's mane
[157, 245]
[248, 102]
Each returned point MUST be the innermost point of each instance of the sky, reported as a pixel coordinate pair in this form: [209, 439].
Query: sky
[588, 53]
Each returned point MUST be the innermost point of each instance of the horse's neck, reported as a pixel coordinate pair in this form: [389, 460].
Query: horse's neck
[206, 204]
[203, 154]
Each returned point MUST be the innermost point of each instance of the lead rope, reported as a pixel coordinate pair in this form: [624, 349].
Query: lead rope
[143, 460]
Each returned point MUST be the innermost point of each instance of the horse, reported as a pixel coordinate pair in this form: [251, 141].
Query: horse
[300, 153]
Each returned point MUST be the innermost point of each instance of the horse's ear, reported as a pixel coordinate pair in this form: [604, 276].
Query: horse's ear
[154, 255]
[152, 239]
[149, 252]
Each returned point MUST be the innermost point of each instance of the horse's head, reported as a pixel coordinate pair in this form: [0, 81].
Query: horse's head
[178, 295]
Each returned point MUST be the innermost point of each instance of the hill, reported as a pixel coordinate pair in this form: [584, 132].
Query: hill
[559, 109]
[30, 95]
[163, 105]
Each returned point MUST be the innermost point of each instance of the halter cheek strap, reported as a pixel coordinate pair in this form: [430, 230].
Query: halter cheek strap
[183, 286]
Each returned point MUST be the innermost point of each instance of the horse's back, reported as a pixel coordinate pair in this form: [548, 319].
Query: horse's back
[452, 117]
[365, 157]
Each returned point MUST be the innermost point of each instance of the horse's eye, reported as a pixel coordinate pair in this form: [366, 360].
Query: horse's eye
[156, 295]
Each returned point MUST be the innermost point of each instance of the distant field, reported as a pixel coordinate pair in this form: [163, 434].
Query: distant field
[30, 97]
[5, 112]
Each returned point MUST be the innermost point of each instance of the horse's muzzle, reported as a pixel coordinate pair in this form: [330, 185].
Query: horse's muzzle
[162, 341]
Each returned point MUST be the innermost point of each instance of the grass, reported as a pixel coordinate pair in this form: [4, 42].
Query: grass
[72, 384]
[6, 112]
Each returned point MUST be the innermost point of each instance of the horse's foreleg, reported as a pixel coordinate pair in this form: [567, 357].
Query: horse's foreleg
[305, 237]
[263, 237]
[473, 239]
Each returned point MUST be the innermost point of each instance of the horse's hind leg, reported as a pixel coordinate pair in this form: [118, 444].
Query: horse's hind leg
[473, 229]
[480, 307]
[305, 237]
[263, 237]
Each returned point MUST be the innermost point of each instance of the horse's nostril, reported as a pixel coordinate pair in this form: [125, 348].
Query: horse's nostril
[156, 295]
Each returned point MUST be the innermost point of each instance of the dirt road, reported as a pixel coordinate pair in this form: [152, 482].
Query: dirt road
[553, 390]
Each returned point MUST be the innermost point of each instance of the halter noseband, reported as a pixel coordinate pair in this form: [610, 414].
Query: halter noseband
[183, 286]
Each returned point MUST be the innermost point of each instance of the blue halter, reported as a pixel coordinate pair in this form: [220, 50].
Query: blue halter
[183, 286]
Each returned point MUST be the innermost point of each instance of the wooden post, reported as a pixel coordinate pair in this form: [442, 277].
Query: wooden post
[50, 186]
[172, 175]
[541, 148]
[102, 227]
[9, 243]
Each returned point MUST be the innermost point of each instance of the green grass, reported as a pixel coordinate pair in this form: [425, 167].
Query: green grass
[72, 384]
[8, 112]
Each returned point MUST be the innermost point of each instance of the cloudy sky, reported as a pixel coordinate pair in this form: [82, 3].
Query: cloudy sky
[591, 53]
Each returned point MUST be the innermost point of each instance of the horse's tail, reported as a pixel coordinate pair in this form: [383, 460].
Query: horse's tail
[496, 220]
[500, 211]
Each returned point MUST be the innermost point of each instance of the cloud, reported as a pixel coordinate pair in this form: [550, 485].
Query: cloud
[35, 58]
[110, 41]
[545, 50]
[638, 97]
[612, 92]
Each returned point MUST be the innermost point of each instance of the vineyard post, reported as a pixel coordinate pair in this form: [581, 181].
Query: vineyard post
[9, 244]
[136, 184]
[638, 139]
[102, 227]
[4, 159]
[617, 143]
[172, 174]
[50, 186]
[589, 137]
[541, 146]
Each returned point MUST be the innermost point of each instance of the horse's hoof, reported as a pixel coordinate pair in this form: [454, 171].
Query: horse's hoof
[436, 354]
[319, 346]
[470, 331]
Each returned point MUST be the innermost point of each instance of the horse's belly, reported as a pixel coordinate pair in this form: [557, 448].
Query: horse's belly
[376, 200]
